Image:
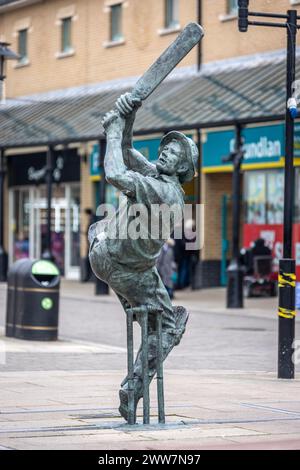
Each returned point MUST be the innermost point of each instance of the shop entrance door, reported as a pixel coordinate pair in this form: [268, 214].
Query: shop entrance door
[29, 213]
[72, 234]
[58, 223]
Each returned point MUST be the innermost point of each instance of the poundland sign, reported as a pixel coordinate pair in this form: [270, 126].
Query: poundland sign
[263, 144]
[264, 148]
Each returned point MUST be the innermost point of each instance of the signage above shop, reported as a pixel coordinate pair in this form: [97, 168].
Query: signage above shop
[94, 162]
[30, 169]
[297, 140]
[263, 146]
[39, 175]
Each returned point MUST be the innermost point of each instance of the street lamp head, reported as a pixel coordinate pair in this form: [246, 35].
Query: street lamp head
[6, 54]
[243, 15]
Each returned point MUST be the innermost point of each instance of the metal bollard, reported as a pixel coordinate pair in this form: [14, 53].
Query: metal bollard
[131, 411]
[159, 370]
[146, 396]
[287, 314]
[144, 311]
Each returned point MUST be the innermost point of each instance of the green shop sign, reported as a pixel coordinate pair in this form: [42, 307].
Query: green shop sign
[94, 162]
[263, 144]
[297, 140]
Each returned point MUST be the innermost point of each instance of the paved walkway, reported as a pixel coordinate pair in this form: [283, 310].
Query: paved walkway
[221, 389]
[78, 410]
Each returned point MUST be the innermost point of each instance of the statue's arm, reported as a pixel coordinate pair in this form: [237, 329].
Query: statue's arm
[133, 159]
[116, 172]
[137, 162]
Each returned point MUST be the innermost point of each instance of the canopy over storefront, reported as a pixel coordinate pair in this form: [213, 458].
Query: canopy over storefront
[243, 90]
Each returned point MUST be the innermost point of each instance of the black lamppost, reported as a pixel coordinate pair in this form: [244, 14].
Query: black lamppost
[234, 296]
[101, 288]
[5, 54]
[47, 252]
[287, 277]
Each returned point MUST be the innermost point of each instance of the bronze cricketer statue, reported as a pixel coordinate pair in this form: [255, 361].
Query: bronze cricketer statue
[129, 265]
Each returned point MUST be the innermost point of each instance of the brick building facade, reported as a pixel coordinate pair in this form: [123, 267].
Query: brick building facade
[66, 44]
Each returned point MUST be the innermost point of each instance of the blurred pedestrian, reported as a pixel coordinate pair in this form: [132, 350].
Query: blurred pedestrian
[258, 248]
[86, 270]
[185, 258]
[166, 266]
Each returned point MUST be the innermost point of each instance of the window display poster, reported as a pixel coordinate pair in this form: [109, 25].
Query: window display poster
[256, 197]
[275, 199]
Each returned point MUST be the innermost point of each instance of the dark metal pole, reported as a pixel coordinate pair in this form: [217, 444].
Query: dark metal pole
[196, 277]
[286, 328]
[145, 361]
[3, 254]
[197, 181]
[2, 78]
[289, 138]
[101, 288]
[130, 367]
[287, 276]
[47, 254]
[236, 189]
[235, 273]
[160, 370]
[199, 47]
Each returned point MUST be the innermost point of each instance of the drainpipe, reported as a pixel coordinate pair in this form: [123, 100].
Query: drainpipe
[3, 254]
[199, 47]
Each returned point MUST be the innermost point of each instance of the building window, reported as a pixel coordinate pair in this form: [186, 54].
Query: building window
[22, 46]
[66, 45]
[232, 7]
[171, 14]
[264, 197]
[116, 22]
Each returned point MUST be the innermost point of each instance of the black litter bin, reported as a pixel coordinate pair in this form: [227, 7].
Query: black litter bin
[33, 300]
[12, 296]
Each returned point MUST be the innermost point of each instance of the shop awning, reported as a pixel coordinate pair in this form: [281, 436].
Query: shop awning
[222, 94]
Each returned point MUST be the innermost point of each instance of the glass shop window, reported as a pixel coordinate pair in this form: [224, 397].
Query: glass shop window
[171, 13]
[264, 197]
[255, 200]
[23, 45]
[275, 192]
[232, 7]
[21, 225]
[116, 33]
[66, 35]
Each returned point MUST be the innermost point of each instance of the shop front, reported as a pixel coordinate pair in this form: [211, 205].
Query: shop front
[263, 182]
[28, 208]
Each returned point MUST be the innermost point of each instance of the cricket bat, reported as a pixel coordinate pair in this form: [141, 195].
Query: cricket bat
[167, 61]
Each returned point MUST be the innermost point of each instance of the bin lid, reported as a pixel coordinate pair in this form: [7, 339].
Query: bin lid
[45, 267]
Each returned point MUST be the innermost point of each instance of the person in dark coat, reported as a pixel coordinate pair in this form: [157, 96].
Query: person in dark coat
[86, 270]
[258, 249]
[166, 266]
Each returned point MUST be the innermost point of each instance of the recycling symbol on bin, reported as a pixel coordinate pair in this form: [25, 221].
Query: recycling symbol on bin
[47, 303]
